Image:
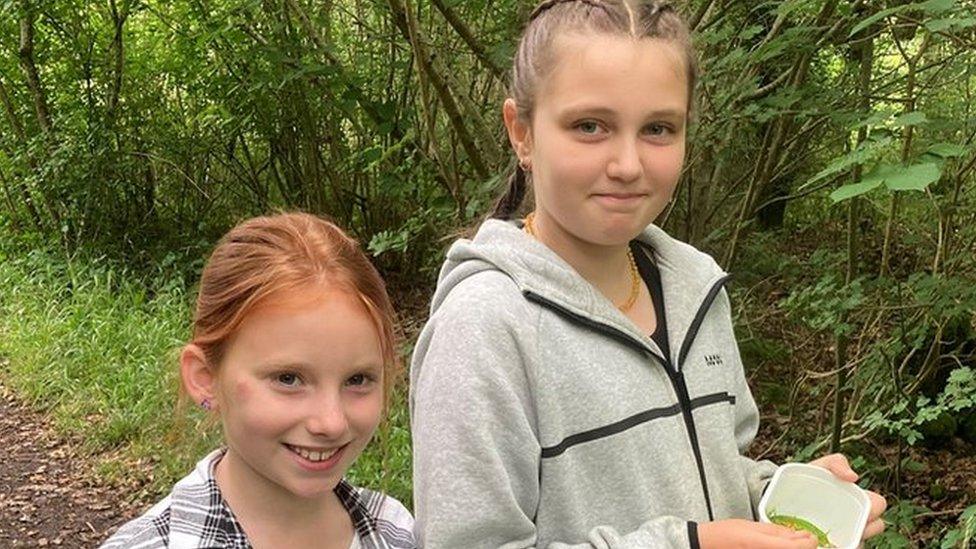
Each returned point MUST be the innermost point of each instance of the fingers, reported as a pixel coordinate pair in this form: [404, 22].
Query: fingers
[800, 540]
[838, 465]
[873, 528]
[878, 505]
[781, 537]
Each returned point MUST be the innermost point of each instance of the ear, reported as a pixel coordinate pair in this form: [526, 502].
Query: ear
[519, 131]
[199, 377]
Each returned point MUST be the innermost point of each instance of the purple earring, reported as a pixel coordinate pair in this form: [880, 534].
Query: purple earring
[206, 404]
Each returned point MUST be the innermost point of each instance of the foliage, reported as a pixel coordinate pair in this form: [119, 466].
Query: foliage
[95, 345]
[832, 155]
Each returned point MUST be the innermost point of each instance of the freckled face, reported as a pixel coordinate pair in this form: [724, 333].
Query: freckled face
[607, 138]
[300, 390]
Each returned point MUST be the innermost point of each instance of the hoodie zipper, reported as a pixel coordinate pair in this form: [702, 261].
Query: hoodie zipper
[675, 374]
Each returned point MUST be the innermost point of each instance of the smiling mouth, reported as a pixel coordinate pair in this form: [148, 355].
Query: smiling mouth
[314, 454]
[621, 196]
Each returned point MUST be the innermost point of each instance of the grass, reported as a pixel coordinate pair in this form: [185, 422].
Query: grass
[94, 345]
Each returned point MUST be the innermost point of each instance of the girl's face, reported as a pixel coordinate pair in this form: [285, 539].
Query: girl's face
[299, 390]
[607, 139]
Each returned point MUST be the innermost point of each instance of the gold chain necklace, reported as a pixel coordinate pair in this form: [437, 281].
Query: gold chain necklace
[634, 273]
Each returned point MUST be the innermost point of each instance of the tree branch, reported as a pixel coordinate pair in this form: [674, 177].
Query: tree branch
[479, 51]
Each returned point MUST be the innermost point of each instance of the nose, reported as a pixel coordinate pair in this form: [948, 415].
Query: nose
[625, 164]
[326, 417]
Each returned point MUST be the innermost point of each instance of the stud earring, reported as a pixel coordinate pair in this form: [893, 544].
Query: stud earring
[206, 404]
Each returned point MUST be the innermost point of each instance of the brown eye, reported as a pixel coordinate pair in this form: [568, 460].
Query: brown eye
[360, 380]
[288, 379]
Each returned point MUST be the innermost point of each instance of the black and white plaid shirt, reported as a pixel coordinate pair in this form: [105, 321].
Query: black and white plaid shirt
[195, 515]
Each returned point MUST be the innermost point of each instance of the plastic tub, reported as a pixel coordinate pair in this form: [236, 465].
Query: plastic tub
[839, 508]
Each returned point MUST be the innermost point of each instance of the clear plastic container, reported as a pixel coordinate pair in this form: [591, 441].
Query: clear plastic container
[841, 509]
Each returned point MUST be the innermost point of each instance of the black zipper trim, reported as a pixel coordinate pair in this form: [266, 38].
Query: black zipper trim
[600, 327]
[696, 322]
[678, 380]
[674, 374]
[632, 421]
[693, 535]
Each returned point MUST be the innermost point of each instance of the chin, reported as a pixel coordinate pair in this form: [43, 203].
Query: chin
[618, 234]
[313, 490]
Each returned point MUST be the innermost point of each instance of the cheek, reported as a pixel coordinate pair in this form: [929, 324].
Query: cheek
[243, 391]
[666, 164]
[364, 412]
[251, 410]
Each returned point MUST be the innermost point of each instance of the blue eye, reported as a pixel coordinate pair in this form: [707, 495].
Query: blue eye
[588, 127]
[657, 129]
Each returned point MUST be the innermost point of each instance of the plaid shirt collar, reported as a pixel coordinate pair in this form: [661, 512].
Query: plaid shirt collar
[199, 517]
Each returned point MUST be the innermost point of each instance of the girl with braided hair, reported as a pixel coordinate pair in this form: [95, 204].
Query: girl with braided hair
[578, 383]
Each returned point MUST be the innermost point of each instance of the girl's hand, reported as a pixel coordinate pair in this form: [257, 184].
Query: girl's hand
[841, 468]
[745, 534]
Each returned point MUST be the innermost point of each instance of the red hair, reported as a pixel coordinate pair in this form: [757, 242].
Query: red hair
[264, 256]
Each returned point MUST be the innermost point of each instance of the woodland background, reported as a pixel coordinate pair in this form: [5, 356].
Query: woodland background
[832, 168]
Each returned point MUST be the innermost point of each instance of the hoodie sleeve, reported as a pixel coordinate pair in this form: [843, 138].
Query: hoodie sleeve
[757, 473]
[475, 443]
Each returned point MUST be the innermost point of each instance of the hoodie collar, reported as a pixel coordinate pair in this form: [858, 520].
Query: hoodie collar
[687, 275]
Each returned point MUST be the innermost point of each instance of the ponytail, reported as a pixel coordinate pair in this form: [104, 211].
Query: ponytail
[511, 201]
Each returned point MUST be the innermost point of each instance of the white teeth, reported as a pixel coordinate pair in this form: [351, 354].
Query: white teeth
[313, 455]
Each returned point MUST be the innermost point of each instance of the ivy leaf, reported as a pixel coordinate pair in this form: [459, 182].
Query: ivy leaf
[913, 178]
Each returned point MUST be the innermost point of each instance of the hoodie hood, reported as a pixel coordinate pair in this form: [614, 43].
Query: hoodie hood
[688, 276]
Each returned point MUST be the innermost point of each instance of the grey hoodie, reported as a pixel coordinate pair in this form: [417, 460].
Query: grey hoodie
[543, 417]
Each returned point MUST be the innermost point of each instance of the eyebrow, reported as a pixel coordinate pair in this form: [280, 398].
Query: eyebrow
[304, 366]
[573, 112]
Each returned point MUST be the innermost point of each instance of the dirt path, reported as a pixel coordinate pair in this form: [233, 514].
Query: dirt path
[47, 495]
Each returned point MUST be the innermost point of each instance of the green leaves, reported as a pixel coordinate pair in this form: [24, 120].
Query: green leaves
[867, 151]
[930, 7]
[913, 178]
[916, 177]
[937, 6]
[875, 17]
[940, 25]
[913, 118]
[854, 189]
[947, 150]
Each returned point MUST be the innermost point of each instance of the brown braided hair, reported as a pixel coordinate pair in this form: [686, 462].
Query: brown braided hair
[534, 57]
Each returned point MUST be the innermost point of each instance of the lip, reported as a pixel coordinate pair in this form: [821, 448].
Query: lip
[317, 466]
[619, 199]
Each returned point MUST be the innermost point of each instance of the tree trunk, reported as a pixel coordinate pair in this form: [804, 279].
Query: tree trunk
[908, 133]
[866, 59]
[30, 68]
[118, 55]
[403, 15]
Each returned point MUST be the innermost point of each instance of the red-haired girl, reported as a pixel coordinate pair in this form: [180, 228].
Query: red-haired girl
[293, 350]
